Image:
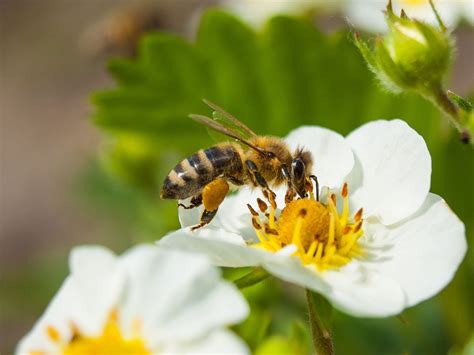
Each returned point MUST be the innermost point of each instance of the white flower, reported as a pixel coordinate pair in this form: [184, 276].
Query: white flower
[402, 248]
[368, 14]
[148, 301]
[256, 12]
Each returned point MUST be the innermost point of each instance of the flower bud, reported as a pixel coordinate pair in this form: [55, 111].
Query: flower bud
[412, 56]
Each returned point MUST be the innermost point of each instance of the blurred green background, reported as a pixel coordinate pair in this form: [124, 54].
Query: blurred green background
[64, 182]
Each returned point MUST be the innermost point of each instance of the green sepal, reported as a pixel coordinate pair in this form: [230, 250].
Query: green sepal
[460, 102]
[365, 51]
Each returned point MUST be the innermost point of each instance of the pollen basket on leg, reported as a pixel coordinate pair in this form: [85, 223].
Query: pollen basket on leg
[324, 237]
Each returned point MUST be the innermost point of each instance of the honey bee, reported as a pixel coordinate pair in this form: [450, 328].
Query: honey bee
[257, 161]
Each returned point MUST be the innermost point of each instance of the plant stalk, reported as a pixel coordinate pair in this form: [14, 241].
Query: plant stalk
[442, 100]
[322, 336]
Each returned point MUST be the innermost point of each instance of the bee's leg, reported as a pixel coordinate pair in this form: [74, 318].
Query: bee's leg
[206, 218]
[196, 201]
[290, 195]
[212, 196]
[259, 180]
[235, 181]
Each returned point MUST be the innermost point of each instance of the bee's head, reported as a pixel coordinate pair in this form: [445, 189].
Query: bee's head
[300, 169]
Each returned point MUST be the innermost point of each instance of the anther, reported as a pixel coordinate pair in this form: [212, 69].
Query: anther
[75, 332]
[333, 198]
[272, 196]
[269, 230]
[53, 334]
[358, 215]
[344, 190]
[302, 212]
[262, 205]
[255, 224]
[346, 229]
[252, 211]
[357, 226]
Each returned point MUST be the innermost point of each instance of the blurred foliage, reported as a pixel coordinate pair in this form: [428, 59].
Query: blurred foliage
[287, 75]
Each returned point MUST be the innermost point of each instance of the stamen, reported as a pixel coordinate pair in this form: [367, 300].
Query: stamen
[333, 211]
[271, 217]
[323, 237]
[76, 334]
[262, 205]
[271, 198]
[319, 252]
[345, 207]
[358, 226]
[252, 211]
[255, 224]
[344, 190]
[332, 231]
[269, 230]
[296, 240]
[312, 248]
[53, 334]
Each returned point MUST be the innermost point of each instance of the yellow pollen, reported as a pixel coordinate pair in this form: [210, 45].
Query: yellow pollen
[313, 226]
[323, 237]
[413, 2]
[110, 341]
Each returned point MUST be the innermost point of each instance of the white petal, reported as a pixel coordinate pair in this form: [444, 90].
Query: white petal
[99, 283]
[467, 11]
[362, 293]
[178, 296]
[395, 168]
[367, 14]
[352, 289]
[223, 248]
[218, 342]
[256, 12]
[332, 156]
[427, 250]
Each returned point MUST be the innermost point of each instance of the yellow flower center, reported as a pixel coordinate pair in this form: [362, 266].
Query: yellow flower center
[413, 2]
[110, 341]
[323, 237]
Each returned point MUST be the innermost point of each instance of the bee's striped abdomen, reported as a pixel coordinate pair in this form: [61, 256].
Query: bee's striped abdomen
[193, 173]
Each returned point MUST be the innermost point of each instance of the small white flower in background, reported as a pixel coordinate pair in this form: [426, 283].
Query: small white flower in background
[372, 246]
[147, 301]
[368, 14]
[256, 12]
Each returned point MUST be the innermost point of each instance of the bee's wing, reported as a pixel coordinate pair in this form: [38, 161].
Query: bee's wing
[229, 121]
[218, 127]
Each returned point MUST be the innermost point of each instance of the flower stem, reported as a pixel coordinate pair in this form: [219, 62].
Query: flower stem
[442, 100]
[319, 324]
[253, 277]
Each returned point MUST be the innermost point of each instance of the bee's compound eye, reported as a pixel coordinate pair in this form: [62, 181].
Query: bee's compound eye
[298, 169]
